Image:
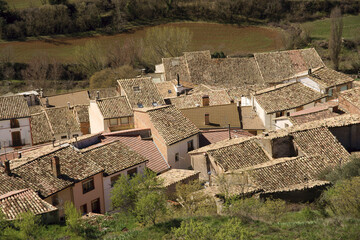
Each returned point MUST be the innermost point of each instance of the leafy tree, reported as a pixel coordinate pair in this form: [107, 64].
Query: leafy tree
[124, 193]
[72, 217]
[28, 225]
[343, 199]
[149, 206]
[335, 36]
[163, 42]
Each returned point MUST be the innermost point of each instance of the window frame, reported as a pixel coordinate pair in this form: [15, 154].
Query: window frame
[97, 201]
[177, 157]
[14, 123]
[191, 146]
[87, 189]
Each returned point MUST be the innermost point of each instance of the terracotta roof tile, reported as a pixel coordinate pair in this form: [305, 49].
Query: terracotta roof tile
[114, 107]
[13, 204]
[352, 96]
[167, 89]
[207, 137]
[216, 97]
[82, 113]
[40, 129]
[327, 77]
[103, 92]
[11, 183]
[13, 107]
[174, 176]
[62, 120]
[312, 116]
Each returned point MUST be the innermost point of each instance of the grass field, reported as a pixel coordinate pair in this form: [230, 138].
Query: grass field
[320, 29]
[206, 36]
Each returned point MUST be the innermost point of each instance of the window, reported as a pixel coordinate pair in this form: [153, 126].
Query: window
[83, 209]
[155, 104]
[140, 105]
[88, 185]
[177, 157]
[169, 91]
[64, 137]
[279, 114]
[190, 145]
[288, 114]
[124, 120]
[131, 173]
[136, 89]
[14, 123]
[343, 88]
[113, 122]
[330, 92]
[95, 206]
[114, 179]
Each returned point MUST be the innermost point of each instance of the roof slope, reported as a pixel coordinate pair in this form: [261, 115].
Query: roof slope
[12, 183]
[211, 136]
[171, 124]
[62, 100]
[40, 129]
[114, 107]
[13, 204]
[147, 92]
[62, 120]
[114, 157]
[277, 66]
[286, 96]
[216, 97]
[13, 107]
[241, 155]
[82, 113]
[352, 96]
[327, 77]
[103, 93]
[174, 176]
[74, 167]
[313, 116]
[167, 89]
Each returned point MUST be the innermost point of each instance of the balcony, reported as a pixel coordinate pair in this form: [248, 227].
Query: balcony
[121, 127]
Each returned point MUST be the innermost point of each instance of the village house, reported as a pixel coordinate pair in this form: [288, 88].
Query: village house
[110, 114]
[140, 92]
[62, 175]
[349, 101]
[117, 159]
[173, 133]
[282, 100]
[15, 130]
[284, 163]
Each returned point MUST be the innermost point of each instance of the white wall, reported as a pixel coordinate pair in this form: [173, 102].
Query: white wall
[108, 188]
[266, 120]
[245, 101]
[181, 148]
[5, 132]
[159, 68]
[311, 84]
[96, 118]
[280, 123]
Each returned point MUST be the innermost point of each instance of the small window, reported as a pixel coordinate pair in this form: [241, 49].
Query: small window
[288, 114]
[190, 145]
[155, 104]
[114, 179]
[136, 89]
[330, 92]
[343, 88]
[177, 157]
[83, 209]
[131, 173]
[113, 122]
[95, 206]
[124, 120]
[88, 185]
[14, 123]
[140, 105]
[63, 137]
[169, 91]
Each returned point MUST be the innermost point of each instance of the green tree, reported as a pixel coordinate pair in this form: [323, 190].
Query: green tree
[190, 230]
[343, 171]
[72, 218]
[150, 205]
[335, 36]
[163, 42]
[28, 225]
[232, 230]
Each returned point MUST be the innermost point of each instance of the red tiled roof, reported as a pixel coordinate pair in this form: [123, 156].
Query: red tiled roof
[146, 148]
[207, 137]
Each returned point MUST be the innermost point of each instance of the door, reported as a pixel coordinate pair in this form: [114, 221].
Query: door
[95, 206]
[16, 139]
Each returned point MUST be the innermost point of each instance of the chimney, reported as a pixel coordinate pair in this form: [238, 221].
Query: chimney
[47, 102]
[7, 167]
[69, 106]
[178, 79]
[97, 95]
[55, 165]
[309, 71]
[207, 119]
[205, 100]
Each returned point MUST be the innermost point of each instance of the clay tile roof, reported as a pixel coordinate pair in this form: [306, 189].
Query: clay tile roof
[167, 89]
[36, 109]
[240, 155]
[171, 124]
[74, 98]
[327, 77]
[290, 173]
[114, 157]
[40, 129]
[82, 113]
[216, 97]
[103, 92]
[286, 96]
[62, 120]
[141, 90]
[352, 96]
[14, 203]
[74, 167]
[12, 183]
[312, 116]
[216, 135]
[277, 66]
[114, 107]
[13, 107]
[174, 176]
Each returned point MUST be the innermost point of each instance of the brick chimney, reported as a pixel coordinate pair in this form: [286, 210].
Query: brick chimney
[7, 167]
[207, 119]
[205, 101]
[55, 165]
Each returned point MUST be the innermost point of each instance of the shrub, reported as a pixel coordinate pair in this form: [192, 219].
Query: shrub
[28, 225]
[72, 217]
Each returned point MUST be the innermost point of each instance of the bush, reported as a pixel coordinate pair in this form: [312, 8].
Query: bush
[343, 171]
[72, 217]
[28, 225]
